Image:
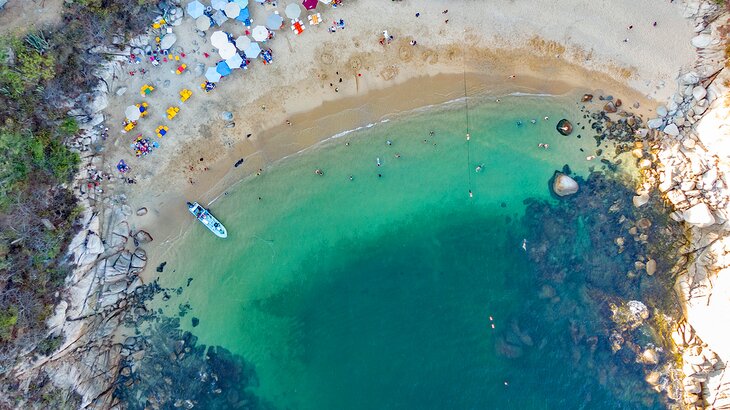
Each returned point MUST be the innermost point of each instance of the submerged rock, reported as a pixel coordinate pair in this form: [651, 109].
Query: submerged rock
[564, 127]
[564, 185]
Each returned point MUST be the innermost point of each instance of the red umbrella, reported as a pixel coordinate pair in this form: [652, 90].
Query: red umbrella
[310, 4]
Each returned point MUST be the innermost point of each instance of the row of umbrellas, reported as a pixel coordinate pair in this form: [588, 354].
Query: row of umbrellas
[233, 9]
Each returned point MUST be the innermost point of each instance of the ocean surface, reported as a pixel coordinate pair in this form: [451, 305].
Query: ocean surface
[383, 284]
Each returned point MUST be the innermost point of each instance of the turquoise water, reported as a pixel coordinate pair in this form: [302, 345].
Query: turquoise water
[402, 291]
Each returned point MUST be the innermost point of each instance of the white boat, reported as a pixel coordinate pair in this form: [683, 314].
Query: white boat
[207, 219]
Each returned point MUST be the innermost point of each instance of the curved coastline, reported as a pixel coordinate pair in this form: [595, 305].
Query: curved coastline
[164, 230]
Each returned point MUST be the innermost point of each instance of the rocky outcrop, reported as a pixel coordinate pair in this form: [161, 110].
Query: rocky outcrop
[564, 185]
[691, 169]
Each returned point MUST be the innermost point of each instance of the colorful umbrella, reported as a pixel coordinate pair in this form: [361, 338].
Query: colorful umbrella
[227, 51]
[235, 61]
[293, 11]
[212, 75]
[252, 51]
[241, 3]
[274, 21]
[260, 33]
[202, 23]
[309, 4]
[243, 42]
[218, 4]
[232, 10]
[223, 69]
[219, 39]
[245, 15]
[195, 9]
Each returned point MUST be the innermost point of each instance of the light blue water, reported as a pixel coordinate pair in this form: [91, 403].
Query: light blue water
[377, 292]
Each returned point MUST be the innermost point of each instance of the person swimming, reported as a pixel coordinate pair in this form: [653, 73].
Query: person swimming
[479, 168]
[388, 142]
[524, 245]
[377, 161]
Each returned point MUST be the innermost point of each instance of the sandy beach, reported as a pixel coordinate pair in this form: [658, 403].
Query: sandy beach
[503, 48]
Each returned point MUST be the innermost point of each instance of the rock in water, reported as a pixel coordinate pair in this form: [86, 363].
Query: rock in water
[564, 127]
[640, 200]
[610, 107]
[564, 185]
[650, 267]
[142, 211]
[699, 216]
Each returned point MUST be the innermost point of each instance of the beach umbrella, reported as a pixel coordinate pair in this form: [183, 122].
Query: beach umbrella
[132, 113]
[274, 21]
[309, 4]
[243, 42]
[219, 39]
[235, 61]
[195, 9]
[167, 41]
[232, 10]
[219, 17]
[253, 50]
[227, 51]
[241, 3]
[260, 1]
[222, 68]
[260, 33]
[218, 4]
[326, 1]
[244, 15]
[202, 23]
[293, 11]
[212, 75]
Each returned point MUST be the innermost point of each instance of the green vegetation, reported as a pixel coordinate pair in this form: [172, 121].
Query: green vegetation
[41, 76]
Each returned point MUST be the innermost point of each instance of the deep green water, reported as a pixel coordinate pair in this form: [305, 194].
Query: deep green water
[377, 292]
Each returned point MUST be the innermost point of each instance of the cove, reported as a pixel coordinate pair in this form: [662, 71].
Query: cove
[389, 286]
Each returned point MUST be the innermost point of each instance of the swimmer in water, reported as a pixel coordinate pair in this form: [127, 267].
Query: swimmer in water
[519, 123]
[397, 155]
[431, 133]
[534, 121]
[377, 161]
[388, 142]
[471, 195]
[479, 168]
[546, 118]
[540, 145]
[590, 157]
[524, 245]
[351, 178]
[468, 137]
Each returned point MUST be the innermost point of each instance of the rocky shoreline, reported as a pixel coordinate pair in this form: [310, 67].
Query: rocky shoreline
[688, 165]
[690, 168]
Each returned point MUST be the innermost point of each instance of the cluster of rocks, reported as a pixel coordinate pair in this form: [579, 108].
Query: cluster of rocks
[688, 163]
[703, 371]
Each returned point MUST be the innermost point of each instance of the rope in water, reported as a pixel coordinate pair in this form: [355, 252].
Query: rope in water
[468, 135]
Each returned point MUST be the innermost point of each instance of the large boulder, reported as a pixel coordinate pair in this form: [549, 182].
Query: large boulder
[564, 185]
[699, 215]
[564, 127]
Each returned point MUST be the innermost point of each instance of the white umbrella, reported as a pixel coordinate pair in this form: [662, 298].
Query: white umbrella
[219, 39]
[132, 113]
[195, 9]
[326, 1]
[218, 4]
[232, 10]
[241, 3]
[167, 41]
[293, 11]
[274, 21]
[253, 50]
[243, 42]
[202, 23]
[227, 51]
[260, 33]
[212, 75]
[235, 61]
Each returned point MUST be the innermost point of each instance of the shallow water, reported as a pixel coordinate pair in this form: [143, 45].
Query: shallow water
[381, 291]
